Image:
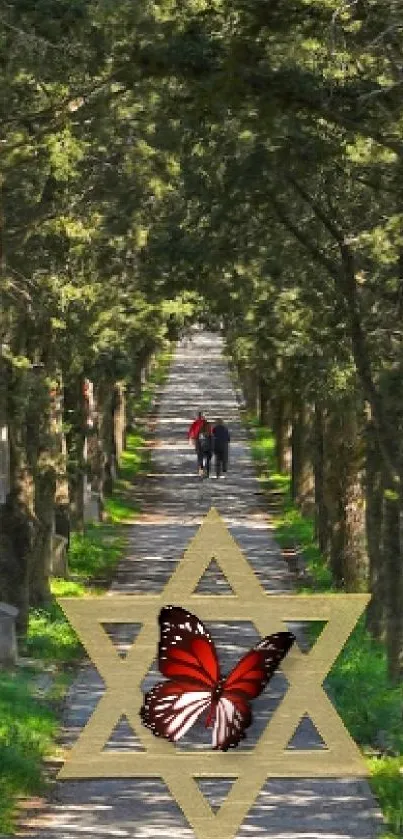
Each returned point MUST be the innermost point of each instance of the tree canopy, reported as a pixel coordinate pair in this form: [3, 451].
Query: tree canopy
[245, 154]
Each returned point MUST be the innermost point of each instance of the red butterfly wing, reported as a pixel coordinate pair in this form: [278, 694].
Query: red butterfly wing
[245, 682]
[186, 650]
[255, 669]
[187, 656]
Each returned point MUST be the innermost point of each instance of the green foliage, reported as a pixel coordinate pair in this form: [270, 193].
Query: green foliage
[119, 511]
[93, 554]
[50, 637]
[133, 458]
[387, 783]
[293, 529]
[359, 686]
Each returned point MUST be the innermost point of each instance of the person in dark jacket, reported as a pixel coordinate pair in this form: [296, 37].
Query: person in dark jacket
[221, 440]
[204, 449]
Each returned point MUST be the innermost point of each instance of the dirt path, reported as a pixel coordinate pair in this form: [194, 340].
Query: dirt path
[174, 501]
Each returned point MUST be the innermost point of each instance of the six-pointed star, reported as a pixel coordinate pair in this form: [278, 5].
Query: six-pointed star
[305, 673]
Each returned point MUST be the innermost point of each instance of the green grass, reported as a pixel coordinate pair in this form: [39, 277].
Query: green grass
[387, 784]
[120, 508]
[358, 682]
[27, 731]
[93, 556]
[294, 529]
[28, 727]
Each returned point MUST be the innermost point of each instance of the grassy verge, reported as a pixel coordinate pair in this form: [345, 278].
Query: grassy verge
[30, 696]
[358, 683]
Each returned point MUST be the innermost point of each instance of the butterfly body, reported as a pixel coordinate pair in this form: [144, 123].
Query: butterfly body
[218, 690]
[187, 658]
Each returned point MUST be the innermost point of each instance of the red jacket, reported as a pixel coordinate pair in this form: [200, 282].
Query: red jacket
[195, 428]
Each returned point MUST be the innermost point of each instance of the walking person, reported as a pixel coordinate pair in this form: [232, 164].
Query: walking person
[195, 426]
[221, 441]
[204, 449]
[193, 432]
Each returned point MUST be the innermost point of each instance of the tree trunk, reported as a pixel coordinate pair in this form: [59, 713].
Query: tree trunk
[17, 520]
[345, 496]
[376, 611]
[333, 446]
[354, 557]
[41, 556]
[75, 412]
[62, 501]
[250, 390]
[362, 357]
[96, 444]
[392, 549]
[321, 512]
[301, 466]
[136, 382]
[395, 628]
[336, 540]
[16, 538]
[281, 429]
[42, 446]
[106, 431]
[264, 401]
[119, 420]
[96, 459]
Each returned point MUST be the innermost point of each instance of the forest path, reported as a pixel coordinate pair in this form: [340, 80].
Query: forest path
[174, 501]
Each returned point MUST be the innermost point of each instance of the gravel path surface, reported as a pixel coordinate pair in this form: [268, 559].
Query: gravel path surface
[174, 501]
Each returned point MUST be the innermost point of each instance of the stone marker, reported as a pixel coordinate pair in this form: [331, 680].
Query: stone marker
[59, 563]
[8, 637]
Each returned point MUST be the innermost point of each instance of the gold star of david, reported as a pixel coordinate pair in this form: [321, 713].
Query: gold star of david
[305, 673]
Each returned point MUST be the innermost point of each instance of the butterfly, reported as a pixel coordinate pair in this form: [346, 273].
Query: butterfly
[188, 658]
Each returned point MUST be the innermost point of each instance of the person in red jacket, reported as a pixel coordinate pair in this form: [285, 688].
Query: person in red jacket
[193, 432]
[195, 426]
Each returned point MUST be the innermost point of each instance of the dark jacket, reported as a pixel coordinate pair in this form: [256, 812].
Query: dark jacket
[204, 440]
[221, 437]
